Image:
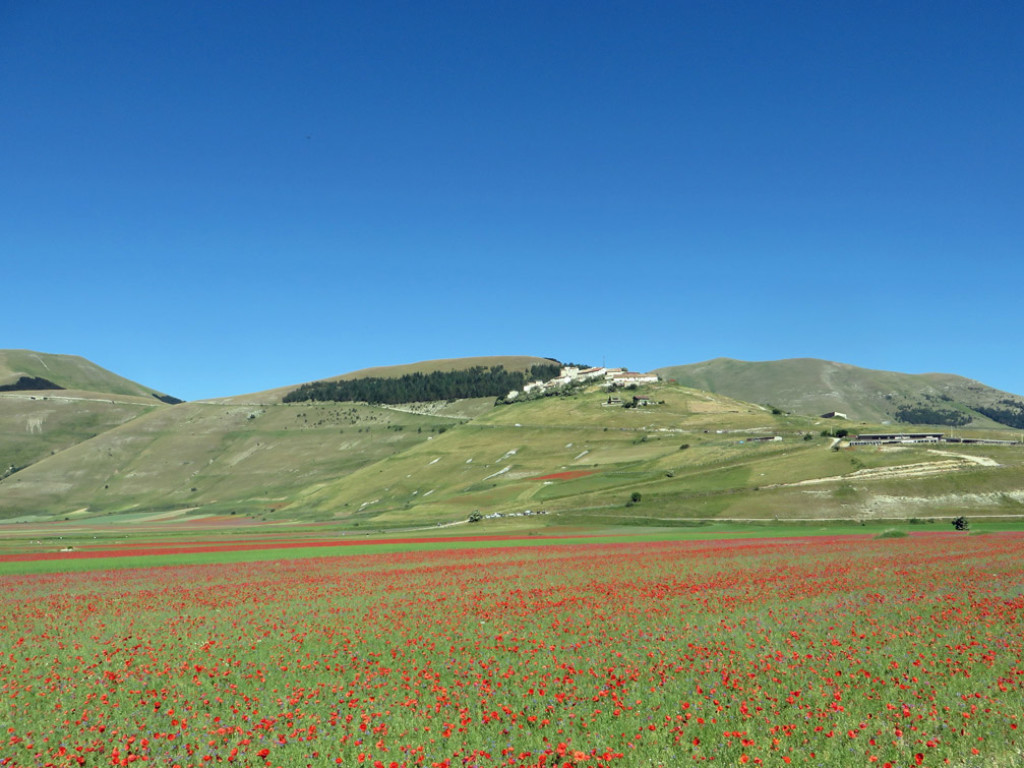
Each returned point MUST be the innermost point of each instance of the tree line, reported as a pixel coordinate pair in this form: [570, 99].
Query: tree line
[924, 414]
[1011, 416]
[29, 383]
[478, 381]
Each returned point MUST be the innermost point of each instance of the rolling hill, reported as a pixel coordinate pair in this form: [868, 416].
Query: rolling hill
[49, 403]
[813, 387]
[25, 370]
[77, 451]
[690, 455]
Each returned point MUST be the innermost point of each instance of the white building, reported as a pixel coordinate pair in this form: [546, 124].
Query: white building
[571, 373]
[628, 377]
[589, 374]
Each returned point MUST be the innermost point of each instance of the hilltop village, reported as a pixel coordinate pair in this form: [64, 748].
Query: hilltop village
[573, 375]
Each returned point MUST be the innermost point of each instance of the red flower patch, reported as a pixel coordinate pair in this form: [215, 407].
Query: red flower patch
[814, 651]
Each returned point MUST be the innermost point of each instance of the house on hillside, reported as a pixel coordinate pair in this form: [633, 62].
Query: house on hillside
[833, 415]
[628, 378]
[897, 438]
[589, 374]
[571, 374]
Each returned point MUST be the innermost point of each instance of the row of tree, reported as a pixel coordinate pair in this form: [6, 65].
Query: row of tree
[478, 381]
[29, 383]
[1006, 411]
[926, 414]
[1012, 414]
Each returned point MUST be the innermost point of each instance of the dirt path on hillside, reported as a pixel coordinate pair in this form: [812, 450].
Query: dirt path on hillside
[984, 461]
[73, 399]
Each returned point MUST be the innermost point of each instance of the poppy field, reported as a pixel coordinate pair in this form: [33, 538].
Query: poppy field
[823, 651]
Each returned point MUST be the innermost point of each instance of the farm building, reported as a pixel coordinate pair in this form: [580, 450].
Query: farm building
[895, 438]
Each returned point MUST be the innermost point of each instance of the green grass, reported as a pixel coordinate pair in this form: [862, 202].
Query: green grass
[250, 459]
[35, 426]
[348, 550]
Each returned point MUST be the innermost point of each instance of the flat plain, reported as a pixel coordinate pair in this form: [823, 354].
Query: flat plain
[824, 650]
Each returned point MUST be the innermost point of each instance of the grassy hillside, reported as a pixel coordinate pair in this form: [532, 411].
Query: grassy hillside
[813, 387]
[689, 457]
[67, 372]
[35, 425]
[49, 403]
[220, 459]
[582, 460]
[82, 400]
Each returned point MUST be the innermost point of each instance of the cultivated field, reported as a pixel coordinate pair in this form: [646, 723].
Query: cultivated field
[829, 651]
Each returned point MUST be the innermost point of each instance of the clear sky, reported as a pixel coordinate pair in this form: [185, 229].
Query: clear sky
[214, 198]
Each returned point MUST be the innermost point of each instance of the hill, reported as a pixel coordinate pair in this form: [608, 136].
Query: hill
[444, 365]
[49, 403]
[25, 370]
[814, 387]
[688, 456]
[248, 454]
[660, 454]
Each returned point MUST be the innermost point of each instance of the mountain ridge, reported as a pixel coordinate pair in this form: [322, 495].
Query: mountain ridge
[811, 386]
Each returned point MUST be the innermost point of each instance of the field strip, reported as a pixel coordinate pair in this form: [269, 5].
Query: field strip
[906, 471]
[172, 556]
[163, 515]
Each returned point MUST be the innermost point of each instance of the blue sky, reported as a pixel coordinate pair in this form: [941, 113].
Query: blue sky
[219, 198]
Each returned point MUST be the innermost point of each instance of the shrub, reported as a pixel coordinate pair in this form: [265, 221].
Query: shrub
[961, 523]
[635, 497]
